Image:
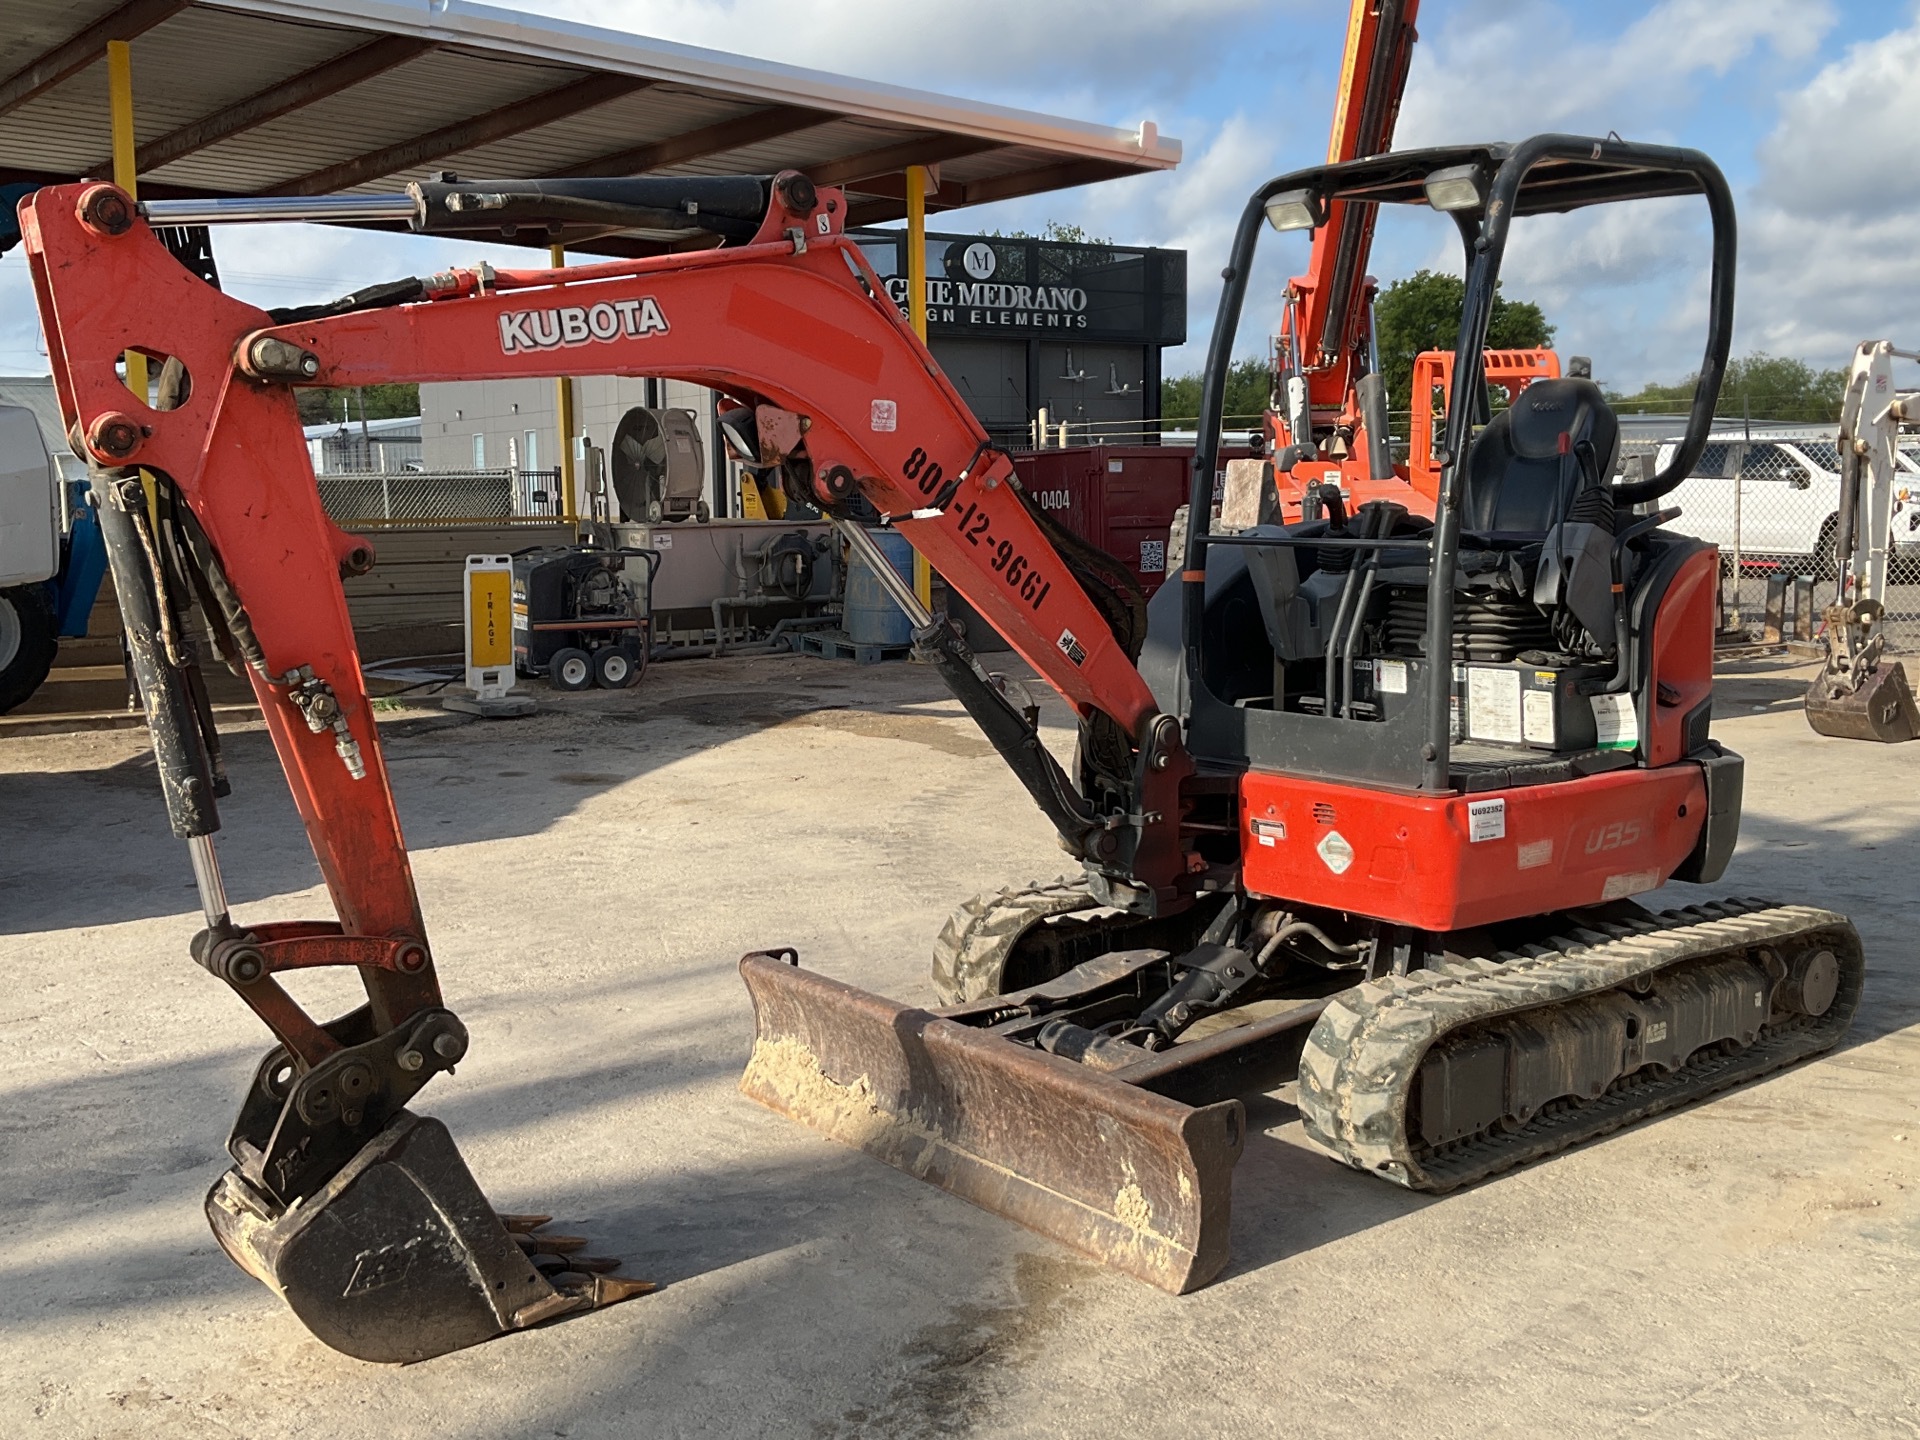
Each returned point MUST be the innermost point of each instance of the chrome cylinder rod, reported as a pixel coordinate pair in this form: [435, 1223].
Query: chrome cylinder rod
[273, 209]
[890, 579]
[206, 875]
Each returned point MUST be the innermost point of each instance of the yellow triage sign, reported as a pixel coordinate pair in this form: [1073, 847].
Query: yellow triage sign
[489, 581]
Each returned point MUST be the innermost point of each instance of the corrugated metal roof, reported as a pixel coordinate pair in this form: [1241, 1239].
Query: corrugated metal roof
[36, 393]
[247, 97]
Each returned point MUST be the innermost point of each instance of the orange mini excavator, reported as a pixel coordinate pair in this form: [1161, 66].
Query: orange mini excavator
[1365, 803]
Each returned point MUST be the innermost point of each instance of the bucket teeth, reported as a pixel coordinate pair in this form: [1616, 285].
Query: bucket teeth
[548, 1244]
[520, 1224]
[400, 1257]
[601, 1291]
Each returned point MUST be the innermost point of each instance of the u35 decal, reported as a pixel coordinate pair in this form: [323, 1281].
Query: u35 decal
[1004, 556]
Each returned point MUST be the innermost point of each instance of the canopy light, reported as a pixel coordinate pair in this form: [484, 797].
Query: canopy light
[1457, 188]
[1296, 210]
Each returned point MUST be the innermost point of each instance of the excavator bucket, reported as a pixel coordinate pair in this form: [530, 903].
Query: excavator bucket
[400, 1257]
[1882, 708]
[1135, 1180]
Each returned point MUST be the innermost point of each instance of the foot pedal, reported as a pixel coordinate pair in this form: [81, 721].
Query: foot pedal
[400, 1257]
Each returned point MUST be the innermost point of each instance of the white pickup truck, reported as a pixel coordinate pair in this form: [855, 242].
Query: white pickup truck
[1781, 495]
[31, 531]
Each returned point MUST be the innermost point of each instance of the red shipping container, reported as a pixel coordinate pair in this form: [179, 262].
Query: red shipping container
[1119, 497]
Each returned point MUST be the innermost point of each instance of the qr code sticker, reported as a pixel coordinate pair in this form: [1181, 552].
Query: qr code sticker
[1153, 557]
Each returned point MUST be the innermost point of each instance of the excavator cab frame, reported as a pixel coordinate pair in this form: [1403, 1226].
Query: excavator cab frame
[1546, 174]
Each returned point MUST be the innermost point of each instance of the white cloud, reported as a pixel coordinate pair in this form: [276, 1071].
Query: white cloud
[1504, 71]
[1844, 145]
[996, 49]
[1828, 229]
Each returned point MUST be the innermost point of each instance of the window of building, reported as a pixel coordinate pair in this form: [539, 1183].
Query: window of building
[530, 450]
[479, 452]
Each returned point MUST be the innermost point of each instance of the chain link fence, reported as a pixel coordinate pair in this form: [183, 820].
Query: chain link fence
[1770, 499]
[413, 498]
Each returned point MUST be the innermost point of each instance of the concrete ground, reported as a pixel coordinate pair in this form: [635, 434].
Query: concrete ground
[590, 877]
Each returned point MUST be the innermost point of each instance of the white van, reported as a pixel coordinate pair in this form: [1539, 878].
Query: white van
[1781, 494]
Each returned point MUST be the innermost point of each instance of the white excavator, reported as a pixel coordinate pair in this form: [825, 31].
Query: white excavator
[1859, 693]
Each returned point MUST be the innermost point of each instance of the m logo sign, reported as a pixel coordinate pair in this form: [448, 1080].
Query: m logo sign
[979, 261]
[523, 330]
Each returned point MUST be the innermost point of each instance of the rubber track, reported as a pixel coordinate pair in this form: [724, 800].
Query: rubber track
[970, 956]
[1363, 1054]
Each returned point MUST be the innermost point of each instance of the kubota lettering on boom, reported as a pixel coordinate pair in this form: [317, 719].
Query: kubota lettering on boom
[522, 330]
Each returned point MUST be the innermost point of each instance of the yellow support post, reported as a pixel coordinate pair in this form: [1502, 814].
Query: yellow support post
[120, 121]
[917, 317]
[120, 112]
[563, 405]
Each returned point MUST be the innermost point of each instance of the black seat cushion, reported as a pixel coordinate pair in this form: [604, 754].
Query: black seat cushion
[1519, 481]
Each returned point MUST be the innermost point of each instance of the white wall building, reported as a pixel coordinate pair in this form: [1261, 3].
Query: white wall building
[514, 424]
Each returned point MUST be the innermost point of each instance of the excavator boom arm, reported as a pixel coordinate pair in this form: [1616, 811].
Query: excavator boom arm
[846, 401]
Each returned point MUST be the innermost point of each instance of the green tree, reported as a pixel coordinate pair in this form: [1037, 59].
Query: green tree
[1057, 230]
[1422, 312]
[382, 402]
[1758, 386]
[1249, 388]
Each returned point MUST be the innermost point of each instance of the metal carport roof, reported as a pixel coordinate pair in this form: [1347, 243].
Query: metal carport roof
[300, 97]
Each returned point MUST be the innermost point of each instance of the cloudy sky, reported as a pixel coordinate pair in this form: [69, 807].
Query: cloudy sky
[1808, 105]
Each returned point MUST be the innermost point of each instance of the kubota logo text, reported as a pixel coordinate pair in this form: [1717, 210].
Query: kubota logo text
[580, 324]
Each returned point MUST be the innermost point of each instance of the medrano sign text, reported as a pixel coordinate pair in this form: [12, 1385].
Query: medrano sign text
[1051, 307]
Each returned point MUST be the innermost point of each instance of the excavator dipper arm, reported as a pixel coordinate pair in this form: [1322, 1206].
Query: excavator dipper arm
[358, 1212]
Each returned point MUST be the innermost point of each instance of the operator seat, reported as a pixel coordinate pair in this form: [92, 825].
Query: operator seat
[1519, 480]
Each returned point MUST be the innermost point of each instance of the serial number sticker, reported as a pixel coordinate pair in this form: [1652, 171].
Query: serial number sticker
[1153, 557]
[1390, 677]
[1656, 1032]
[1486, 820]
[1269, 832]
[1536, 853]
[1071, 647]
[886, 416]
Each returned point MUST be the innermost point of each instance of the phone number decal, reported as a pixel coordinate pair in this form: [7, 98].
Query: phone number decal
[976, 527]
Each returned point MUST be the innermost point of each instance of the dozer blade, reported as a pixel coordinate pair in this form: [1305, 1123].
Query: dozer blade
[400, 1257]
[1881, 709]
[1130, 1178]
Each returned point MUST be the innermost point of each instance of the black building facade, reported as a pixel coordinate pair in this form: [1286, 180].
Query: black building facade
[1023, 325]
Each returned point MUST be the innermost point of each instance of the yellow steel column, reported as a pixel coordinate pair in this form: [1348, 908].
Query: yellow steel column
[120, 122]
[120, 111]
[563, 405]
[917, 317]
